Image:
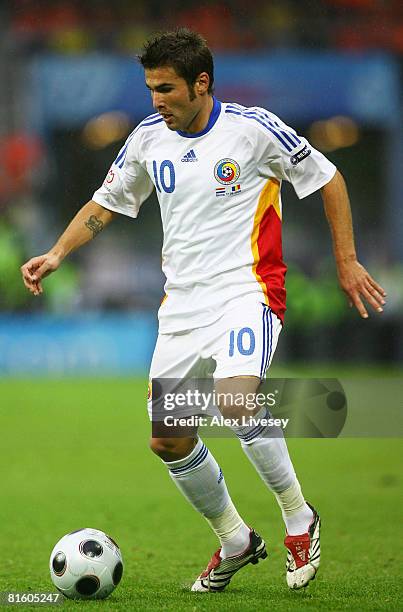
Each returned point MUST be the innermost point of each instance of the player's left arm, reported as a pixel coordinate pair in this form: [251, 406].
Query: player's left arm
[354, 279]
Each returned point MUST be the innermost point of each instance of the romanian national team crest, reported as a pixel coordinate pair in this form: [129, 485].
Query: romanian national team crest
[227, 171]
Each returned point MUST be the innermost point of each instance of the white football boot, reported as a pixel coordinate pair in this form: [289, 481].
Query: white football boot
[219, 572]
[303, 556]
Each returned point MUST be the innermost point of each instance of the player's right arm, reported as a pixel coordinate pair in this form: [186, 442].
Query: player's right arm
[126, 186]
[88, 223]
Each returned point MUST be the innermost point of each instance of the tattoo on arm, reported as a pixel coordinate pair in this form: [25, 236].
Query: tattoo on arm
[95, 225]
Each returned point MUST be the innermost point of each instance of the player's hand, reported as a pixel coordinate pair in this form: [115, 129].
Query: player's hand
[358, 284]
[34, 270]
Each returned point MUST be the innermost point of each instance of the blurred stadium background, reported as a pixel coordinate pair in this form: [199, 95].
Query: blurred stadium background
[71, 92]
[74, 362]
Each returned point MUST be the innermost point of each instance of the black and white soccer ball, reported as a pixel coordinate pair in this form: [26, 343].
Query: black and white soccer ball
[86, 564]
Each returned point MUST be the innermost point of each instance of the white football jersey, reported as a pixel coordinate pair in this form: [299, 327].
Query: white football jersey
[219, 194]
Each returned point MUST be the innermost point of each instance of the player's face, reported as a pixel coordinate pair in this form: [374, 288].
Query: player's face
[173, 100]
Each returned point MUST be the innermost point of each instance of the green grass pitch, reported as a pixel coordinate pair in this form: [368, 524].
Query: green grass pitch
[75, 454]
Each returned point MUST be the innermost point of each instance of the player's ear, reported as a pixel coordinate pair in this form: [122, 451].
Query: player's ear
[202, 83]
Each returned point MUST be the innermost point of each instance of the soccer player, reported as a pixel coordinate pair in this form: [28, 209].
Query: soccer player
[217, 170]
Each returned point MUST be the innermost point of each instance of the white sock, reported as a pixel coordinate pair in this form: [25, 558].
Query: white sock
[200, 479]
[233, 533]
[296, 513]
[272, 461]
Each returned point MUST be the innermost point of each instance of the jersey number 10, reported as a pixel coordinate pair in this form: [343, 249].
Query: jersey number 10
[240, 342]
[164, 176]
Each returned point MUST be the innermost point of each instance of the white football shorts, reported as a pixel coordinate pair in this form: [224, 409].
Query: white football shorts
[240, 343]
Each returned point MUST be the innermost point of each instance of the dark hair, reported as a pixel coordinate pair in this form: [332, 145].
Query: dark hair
[185, 51]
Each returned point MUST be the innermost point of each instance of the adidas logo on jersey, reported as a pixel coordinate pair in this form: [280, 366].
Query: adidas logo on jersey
[190, 157]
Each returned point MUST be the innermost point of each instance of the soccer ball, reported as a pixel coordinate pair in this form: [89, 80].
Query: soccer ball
[86, 564]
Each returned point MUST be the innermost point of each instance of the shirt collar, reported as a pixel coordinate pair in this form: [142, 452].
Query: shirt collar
[215, 113]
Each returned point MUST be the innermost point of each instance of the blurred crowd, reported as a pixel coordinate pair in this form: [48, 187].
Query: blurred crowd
[72, 26]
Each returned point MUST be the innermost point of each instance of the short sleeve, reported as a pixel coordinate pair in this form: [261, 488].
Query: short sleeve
[127, 184]
[284, 154]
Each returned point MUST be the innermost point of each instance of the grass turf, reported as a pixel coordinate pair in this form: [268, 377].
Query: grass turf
[75, 454]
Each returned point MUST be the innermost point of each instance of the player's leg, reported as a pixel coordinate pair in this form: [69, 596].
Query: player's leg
[198, 476]
[200, 480]
[191, 465]
[269, 455]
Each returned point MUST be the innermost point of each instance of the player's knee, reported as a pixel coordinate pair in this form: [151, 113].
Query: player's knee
[236, 396]
[172, 449]
[230, 411]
